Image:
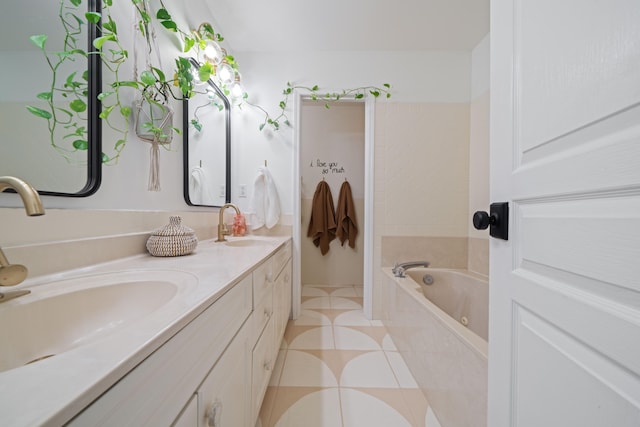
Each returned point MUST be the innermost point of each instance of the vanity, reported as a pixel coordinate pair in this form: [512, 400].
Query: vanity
[196, 347]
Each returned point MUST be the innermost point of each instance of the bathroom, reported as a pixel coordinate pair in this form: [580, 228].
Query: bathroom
[430, 145]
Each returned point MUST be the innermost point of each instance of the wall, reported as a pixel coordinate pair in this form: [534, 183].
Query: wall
[414, 76]
[479, 156]
[332, 149]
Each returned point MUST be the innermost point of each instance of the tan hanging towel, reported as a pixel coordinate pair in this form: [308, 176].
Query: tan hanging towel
[322, 226]
[346, 216]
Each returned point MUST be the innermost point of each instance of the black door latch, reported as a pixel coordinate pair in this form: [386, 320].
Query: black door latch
[497, 220]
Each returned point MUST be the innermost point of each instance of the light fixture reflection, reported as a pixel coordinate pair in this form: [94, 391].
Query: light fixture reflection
[196, 77]
[225, 72]
[237, 89]
[212, 53]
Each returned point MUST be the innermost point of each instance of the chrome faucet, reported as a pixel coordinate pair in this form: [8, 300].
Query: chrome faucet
[222, 227]
[398, 270]
[13, 274]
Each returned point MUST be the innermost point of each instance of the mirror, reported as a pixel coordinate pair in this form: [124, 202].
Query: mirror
[207, 151]
[27, 147]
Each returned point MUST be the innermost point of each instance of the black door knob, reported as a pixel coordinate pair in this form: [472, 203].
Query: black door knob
[482, 220]
[498, 219]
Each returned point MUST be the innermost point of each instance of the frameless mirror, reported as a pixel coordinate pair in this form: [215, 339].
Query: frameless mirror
[60, 155]
[207, 147]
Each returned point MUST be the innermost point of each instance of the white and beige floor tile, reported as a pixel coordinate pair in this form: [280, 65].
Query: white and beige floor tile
[338, 369]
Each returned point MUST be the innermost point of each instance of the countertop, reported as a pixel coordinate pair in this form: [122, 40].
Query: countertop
[52, 391]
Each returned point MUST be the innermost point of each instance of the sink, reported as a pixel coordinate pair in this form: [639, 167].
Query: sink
[62, 315]
[247, 242]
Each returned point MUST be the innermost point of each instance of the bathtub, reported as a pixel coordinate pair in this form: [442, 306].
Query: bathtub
[441, 332]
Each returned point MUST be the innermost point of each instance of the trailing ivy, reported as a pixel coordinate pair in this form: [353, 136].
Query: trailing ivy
[313, 92]
[64, 100]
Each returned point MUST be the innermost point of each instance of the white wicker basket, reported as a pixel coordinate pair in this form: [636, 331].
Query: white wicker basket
[173, 239]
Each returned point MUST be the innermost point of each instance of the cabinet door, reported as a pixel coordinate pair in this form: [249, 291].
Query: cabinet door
[189, 415]
[264, 359]
[223, 396]
[282, 301]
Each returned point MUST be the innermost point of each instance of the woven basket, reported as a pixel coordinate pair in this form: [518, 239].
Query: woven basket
[173, 239]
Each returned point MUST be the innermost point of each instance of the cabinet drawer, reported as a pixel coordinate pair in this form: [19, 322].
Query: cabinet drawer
[261, 315]
[223, 395]
[263, 278]
[281, 257]
[263, 361]
[282, 302]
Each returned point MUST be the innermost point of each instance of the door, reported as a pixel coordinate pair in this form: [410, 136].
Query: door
[564, 340]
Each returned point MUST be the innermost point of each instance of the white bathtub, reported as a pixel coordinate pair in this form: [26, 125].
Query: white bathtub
[447, 358]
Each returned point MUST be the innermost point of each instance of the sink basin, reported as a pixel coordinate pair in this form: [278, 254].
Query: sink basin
[59, 316]
[247, 242]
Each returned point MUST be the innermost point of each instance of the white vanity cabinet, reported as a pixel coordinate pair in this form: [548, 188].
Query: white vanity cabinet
[158, 389]
[272, 304]
[222, 397]
[214, 372]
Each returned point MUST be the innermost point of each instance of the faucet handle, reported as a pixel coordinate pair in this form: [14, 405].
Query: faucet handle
[395, 268]
[13, 274]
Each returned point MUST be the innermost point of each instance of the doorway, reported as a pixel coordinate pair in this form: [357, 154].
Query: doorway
[334, 145]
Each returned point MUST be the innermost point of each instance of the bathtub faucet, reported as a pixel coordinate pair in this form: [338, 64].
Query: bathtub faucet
[399, 269]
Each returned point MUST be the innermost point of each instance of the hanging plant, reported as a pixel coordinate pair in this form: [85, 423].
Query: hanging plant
[113, 55]
[65, 100]
[65, 104]
[315, 95]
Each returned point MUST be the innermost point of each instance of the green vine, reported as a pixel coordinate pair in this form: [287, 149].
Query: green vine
[113, 56]
[315, 95]
[153, 84]
[70, 115]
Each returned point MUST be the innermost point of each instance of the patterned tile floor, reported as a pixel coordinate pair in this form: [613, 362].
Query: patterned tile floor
[337, 369]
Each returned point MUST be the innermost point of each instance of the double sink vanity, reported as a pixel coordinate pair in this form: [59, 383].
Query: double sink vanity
[176, 341]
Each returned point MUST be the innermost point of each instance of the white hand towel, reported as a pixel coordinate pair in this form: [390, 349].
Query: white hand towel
[265, 202]
[197, 182]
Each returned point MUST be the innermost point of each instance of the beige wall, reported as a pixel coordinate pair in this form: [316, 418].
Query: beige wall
[332, 149]
[479, 182]
[341, 265]
[422, 175]
[479, 161]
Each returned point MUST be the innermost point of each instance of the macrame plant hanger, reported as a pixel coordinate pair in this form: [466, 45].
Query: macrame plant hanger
[159, 115]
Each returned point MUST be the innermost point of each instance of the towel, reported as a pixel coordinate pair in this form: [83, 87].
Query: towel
[265, 202]
[346, 216]
[322, 226]
[197, 190]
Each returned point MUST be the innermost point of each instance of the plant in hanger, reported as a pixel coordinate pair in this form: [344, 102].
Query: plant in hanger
[65, 100]
[155, 88]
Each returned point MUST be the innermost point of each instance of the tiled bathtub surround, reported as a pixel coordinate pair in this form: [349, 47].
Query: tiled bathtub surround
[478, 255]
[336, 368]
[441, 252]
[448, 361]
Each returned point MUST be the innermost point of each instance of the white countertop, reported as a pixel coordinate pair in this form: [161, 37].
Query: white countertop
[52, 391]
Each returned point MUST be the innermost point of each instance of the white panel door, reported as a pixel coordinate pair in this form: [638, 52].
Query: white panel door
[564, 340]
